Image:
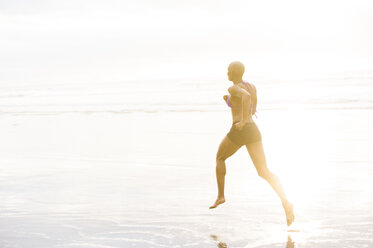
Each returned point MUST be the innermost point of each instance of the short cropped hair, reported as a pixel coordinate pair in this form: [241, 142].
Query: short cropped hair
[237, 68]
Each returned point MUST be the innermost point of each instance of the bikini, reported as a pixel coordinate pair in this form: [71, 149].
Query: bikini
[251, 105]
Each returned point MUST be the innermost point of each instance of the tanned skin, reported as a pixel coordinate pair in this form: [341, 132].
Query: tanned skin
[241, 97]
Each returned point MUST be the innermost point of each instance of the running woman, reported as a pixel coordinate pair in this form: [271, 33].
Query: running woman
[244, 131]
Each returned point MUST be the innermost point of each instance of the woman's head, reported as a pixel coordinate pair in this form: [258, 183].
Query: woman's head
[235, 71]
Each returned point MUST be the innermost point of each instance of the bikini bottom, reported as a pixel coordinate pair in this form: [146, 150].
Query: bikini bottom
[248, 134]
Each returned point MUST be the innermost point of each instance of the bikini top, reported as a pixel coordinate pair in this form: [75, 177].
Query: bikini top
[252, 110]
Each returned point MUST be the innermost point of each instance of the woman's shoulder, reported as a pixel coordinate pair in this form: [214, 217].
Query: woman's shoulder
[250, 86]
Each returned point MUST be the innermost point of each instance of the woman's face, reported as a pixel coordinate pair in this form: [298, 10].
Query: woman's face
[229, 73]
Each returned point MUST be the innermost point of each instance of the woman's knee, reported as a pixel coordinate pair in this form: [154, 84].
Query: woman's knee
[220, 158]
[265, 174]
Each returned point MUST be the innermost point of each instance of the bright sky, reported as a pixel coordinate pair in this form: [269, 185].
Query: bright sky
[115, 40]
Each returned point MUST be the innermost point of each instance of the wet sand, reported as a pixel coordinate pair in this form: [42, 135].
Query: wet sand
[147, 180]
[97, 166]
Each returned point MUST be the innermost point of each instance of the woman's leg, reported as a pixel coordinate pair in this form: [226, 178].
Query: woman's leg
[226, 149]
[257, 155]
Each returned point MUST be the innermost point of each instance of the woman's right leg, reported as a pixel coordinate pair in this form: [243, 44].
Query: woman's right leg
[226, 149]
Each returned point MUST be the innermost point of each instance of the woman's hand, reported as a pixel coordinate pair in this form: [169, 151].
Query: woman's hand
[239, 125]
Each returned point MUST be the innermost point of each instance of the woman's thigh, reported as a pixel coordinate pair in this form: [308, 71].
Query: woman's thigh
[226, 149]
[257, 155]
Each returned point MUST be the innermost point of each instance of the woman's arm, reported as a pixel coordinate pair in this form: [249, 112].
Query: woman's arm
[254, 99]
[245, 97]
[237, 91]
[245, 108]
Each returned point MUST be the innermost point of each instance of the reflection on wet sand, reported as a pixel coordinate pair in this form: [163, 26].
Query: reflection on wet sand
[289, 244]
[220, 243]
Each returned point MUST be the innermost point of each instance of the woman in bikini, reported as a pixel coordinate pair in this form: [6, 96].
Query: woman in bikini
[244, 131]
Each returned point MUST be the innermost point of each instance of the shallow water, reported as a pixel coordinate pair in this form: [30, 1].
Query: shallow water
[78, 175]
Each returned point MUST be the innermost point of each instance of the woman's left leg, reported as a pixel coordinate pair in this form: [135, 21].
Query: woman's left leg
[259, 160]
[257, 155]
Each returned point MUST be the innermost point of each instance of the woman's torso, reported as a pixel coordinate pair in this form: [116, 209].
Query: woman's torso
[236, 103]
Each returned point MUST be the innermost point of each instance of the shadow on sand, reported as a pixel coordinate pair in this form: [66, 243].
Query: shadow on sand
[289, 244]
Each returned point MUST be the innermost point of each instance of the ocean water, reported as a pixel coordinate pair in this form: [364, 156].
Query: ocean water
[348, 90]
[132, 164]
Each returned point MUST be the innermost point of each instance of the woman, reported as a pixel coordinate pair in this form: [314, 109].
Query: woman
[244, 131]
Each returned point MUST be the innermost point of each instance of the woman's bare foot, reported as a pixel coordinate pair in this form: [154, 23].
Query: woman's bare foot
[289, 211]
[218, 201]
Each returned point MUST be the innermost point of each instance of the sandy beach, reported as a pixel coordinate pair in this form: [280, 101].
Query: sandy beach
[112, 112]
[96, 172]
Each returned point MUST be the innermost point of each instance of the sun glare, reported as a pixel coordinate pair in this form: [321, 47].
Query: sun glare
[301, 160]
